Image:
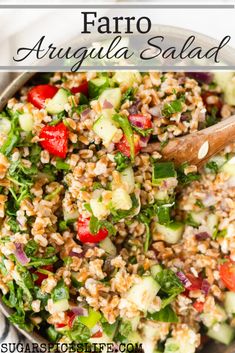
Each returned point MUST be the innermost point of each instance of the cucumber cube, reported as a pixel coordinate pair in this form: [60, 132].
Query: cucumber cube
[111, 95]
[162, 171]
[222, 333]
[121, 199]
[57, 103]
[172, 233]
[230, 302]
[91, 320]
[97, 86]
[105, 128]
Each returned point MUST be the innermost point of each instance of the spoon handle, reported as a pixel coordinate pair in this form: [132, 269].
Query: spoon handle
[199, 146]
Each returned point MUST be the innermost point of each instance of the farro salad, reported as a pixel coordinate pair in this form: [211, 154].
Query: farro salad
[100, 242]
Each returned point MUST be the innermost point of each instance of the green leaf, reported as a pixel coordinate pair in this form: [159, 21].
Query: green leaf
[60, 292]
[142, 132]
[13, 136]
[186, 179]
[61, 165]
[117, 215]
[52, 335]
[129, 95]
[38, 262]
[125, 125]
[122, 162]
[125, 328]
[169, 282]
[79, 332]
[31, 248]
[96, 225]
[172, 108]
[166, 314]
[213, 166]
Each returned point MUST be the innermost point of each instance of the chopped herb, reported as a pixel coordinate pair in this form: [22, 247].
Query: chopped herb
[61, 291]
[213, 166]
[185, 179]
[95, 225]
[117, 215]
[166, 314]
[121, 161]
[129, 95]
[172, 108]
[142, 132]
[170, 286]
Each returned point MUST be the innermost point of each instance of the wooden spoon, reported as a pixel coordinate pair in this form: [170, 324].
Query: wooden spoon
[196, 148]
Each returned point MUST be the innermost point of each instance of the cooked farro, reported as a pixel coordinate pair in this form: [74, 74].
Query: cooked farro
[101, 241]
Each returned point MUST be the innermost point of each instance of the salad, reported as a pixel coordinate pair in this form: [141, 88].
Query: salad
[101, 242]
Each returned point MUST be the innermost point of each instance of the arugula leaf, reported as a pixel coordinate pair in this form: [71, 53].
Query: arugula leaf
[31, 248]
[166, 314]
[121, 161]
[172, 107]
[52, 335]
[38, 262]
[79, 332]
[186, 179]
[170, 286]
[213, 166]
[190, 221]
[125, 125]
[142, 132]
[13, 136]
[61, 165]
[128, 95]
[14, 225]
[95, 225]
[212, 118]
[60, 292]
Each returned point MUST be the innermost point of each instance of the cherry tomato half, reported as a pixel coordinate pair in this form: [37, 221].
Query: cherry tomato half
[54, 139]
[82, 88]
[38, 94]
[84, 234]
[124, 146]
[227, 274]
[140, 121]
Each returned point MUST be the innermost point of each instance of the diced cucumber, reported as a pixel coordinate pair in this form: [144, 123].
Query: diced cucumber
[121, 199]
[5, 125]
[229, 302]
[172, 233]
[108, 246]
[174, 346]
[127, 178]
[59, 306]
[212, 223]
[229, 167]
[91, 320]
[198, 217]
[127, 77]
[57, 103]
[97, 86]
[134, 337]
[105, 128]
[162, 171]
[111, 95]
[155, 270]
[98, 208]
[151, 334]
[222, 333]
[229, 93]
[143, 293]
[213, 317]
[222, 78]
[161, 195]
[26, 122]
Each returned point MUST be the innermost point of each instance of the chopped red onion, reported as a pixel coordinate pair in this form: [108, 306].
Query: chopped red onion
[134, 107]
[20, 254]
[76, 254]
[80, 311]
[205, 288]
[202, 236]
[144, 141]
[203, 77]
[209, 200]
[155, 111]
[85, 113]
[107, 105]
[183, 279]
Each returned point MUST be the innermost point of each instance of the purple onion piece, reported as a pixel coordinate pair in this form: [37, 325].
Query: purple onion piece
[80, 255]
[202, 236]
[202, 77]
[183, 279]
[85, 113]
[20, 254]
[156, 111]
[205, 288]
[107, 105]
[80, 311]
[144, 141]
[133, 109]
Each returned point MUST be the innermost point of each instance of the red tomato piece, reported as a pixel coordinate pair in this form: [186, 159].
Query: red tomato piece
[54, 139]
[82, 88]
[141, 121]
[60, 325]
[124, 147]
[84, 234]
[98, 334]
[71, 318]
[216, 101]
[42, 276]
[199, 306]
[227, 274]
[196, 282]
[38, 94]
